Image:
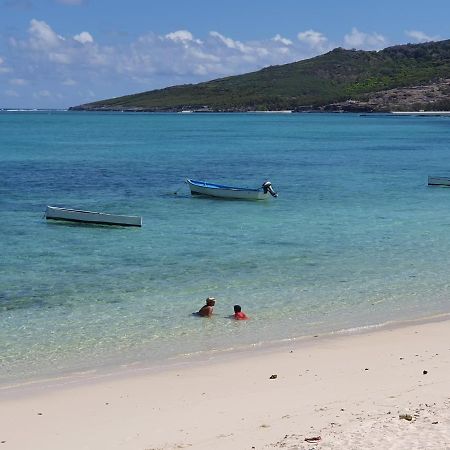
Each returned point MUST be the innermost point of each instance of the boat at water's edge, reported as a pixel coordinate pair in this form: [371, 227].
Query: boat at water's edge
[92, 217]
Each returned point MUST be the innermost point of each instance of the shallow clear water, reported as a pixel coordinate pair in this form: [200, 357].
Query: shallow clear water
[355, 238]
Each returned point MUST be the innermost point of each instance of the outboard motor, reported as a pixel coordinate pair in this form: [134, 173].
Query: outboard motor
[267, 188]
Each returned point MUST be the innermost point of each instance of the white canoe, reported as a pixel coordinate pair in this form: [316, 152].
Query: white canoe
[221, 191]
[438, 181]
[76, 215]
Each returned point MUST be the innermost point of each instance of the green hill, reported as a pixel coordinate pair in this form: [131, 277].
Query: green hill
[396, 78]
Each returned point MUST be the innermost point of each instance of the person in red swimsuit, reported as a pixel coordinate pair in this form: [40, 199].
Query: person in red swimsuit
[238, 314]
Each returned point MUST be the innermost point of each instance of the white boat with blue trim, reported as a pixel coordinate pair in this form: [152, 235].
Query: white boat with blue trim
[231, 192]
[91, 217]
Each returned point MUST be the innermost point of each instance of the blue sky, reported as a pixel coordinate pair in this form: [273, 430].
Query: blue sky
[60, 53]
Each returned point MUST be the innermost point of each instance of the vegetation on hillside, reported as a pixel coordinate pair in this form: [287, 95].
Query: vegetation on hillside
[333, 78]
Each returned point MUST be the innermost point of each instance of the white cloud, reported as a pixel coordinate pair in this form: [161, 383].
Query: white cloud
[60, 57]
[313, 38]
[157, 60]
[175, 54]
[42, 93]
[11, 93]
[230, 43]
[18, 82]
[5, 70]
[420, 36]
[282, 40]
[84, 38]
[360, 40]
[70, 2]
[42, 36]
[182, 36]
[3, 67]
[150, 61]
[90, 94]
[69, 82]
[45, 45]
[18, 4]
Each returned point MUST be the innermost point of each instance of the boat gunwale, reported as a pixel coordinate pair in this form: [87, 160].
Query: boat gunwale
[92, 217]
[84, 211]
[95, 222]
[204, 184]
[438, 181]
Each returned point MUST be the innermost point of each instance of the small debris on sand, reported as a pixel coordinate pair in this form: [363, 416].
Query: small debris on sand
[313, 439]
[405, 417]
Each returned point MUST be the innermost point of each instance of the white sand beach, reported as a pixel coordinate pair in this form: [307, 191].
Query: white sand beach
[387, 389]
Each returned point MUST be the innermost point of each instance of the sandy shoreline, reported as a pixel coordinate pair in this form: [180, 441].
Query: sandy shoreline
[348, 389]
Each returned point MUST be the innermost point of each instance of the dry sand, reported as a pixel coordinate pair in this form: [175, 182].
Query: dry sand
[351, 390]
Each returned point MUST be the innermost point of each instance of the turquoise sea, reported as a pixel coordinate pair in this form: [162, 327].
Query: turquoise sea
[355, 238]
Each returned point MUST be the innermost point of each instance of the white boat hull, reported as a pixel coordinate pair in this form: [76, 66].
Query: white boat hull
[421, 113]
[438, 181]
[213, 190]
[76, 215]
